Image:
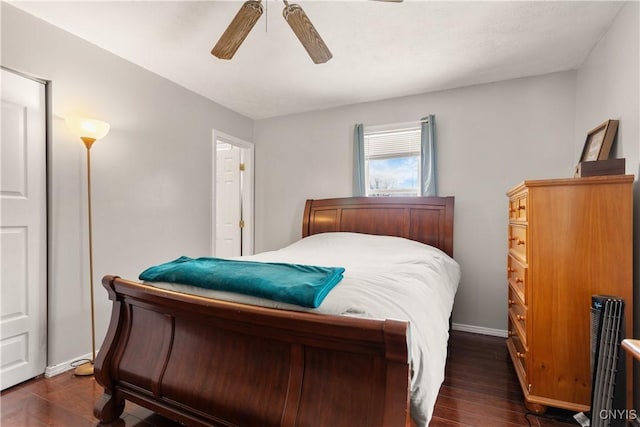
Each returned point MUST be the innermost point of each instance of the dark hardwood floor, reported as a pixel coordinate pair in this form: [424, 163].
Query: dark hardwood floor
[480, 389]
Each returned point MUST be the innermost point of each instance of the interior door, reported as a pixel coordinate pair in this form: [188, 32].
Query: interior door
[23, 244]
[228, 200]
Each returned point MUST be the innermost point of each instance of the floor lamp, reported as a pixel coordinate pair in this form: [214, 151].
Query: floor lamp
[89, 131]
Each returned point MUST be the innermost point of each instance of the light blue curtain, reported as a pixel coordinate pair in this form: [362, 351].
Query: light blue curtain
[358, 161]
[428, 155]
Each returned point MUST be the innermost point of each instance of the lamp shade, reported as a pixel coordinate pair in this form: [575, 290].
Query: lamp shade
[88, 128]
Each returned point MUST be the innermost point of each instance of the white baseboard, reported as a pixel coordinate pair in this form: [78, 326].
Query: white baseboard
[52, 371]
[479, 330]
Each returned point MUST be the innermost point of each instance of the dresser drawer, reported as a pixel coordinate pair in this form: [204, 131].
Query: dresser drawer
[517, 316]
[513, 209]
[518, 354]
[518, 241]
[518, 208]
[517, 277]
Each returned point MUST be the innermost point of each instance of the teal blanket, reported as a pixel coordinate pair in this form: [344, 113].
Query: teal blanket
[303, 285]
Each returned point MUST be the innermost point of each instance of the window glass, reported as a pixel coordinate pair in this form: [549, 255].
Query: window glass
[393, 176]
[392, 162]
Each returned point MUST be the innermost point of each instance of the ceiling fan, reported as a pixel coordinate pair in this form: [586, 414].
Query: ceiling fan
[249, 14]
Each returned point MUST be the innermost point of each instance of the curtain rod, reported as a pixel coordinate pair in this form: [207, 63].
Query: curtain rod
[398, 124]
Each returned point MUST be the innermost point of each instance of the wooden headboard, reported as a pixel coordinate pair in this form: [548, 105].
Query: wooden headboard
[424, 219]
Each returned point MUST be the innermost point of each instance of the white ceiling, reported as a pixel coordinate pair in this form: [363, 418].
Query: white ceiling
[380, 50]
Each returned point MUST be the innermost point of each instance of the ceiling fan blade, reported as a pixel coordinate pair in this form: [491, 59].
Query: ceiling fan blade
[238, 30]
[306, 33]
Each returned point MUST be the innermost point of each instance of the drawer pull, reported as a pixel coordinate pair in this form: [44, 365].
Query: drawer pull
[521, 317]
[520, 242]
[519, 280]
[512, 210]
[521, 208]
[512, 238]
[520, 355]
[510, 333]
[510, 270]
[511, 302]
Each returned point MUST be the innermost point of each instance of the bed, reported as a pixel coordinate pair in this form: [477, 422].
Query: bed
[206, 361]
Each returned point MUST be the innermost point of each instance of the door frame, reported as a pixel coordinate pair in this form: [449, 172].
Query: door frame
[247, 153]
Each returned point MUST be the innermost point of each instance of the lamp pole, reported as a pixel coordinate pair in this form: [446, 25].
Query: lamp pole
[88, 142]
[89, 130]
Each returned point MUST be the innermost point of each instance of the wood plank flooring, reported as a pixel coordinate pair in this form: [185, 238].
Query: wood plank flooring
[480, 389]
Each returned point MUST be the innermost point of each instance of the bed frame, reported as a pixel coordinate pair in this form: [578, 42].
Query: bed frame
[205, 362]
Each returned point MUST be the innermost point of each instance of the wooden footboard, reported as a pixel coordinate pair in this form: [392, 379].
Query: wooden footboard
[205, 362]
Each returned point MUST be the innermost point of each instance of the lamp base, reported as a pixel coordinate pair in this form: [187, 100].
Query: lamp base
[85, 369]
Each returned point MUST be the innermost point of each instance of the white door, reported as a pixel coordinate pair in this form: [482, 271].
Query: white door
[228, 200]
[23, 244]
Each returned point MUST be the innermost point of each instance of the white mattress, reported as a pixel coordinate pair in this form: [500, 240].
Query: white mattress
[385, 278]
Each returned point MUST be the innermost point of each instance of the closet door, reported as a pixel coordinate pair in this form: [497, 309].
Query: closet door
[23, 221]
[228, 200]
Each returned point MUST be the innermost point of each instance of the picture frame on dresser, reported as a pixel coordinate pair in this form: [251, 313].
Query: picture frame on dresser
[599, 141]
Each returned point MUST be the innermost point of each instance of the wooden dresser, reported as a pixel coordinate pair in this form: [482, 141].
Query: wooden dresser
[568, 239]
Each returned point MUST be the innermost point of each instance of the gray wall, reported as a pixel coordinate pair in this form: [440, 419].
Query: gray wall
[489, 138]
[151, 175]
[607, 87]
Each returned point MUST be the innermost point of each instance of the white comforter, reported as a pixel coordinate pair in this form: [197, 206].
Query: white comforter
[385, 278]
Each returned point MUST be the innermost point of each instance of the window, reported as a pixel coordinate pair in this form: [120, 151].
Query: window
[392, 161]
[395, 160]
